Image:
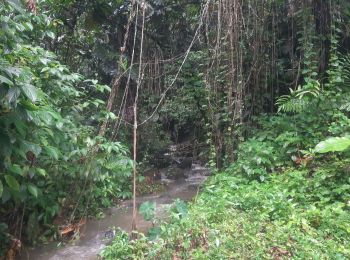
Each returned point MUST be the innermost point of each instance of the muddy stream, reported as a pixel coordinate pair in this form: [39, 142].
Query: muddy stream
[93, 234]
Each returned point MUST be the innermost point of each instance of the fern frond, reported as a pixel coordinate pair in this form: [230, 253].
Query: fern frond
[298, 99]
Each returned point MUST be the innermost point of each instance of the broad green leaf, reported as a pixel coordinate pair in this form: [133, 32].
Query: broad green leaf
[45, 69]
[33, 190]
[6, 195]
[333, 144]
[41, 171]
[30, 91]
[12, 182]
[154, 233]
[181, 208]
[52, 152]
[29, 105]
[1, 188]
[13, 71]
[44, 61]
[111, 115]
[17, 5]
[45, 117]
[20, 27]
[50, 35]
[55, 115]
[85, 104]
[147, 210]
[102, 88]
[6, 80]
[15, 168]
[28, 26]
[13, 94]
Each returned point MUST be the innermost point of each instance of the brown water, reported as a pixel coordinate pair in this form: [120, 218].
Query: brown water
[92, 236]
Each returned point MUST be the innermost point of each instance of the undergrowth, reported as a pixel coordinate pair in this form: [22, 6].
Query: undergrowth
[299, 213]
[279, 200]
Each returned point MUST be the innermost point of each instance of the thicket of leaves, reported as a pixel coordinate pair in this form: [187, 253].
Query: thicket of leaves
[49, 164]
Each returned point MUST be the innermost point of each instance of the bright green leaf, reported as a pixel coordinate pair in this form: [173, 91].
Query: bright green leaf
[12, 182]
[41, 171]
[333, 144]
[30, 91]
[29, 105]
[15, 168]
[33, 190]
[50, 35]
[6, 80]
[28, 26]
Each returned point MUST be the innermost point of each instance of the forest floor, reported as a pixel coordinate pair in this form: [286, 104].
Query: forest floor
[298, 213]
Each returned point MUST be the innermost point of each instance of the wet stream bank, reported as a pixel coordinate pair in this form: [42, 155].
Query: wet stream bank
[93, 234]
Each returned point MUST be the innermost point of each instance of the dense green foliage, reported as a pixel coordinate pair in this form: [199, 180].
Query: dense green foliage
[259, 91]
[285, 196]
[265, 206]
[297, 213]
[48, 166]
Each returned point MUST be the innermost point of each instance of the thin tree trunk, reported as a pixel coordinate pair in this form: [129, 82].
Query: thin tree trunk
[134, 208]
[139, 82]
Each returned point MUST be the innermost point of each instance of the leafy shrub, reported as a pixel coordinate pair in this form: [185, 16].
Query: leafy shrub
[49, 163]
[256, 158]
[125, 249]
